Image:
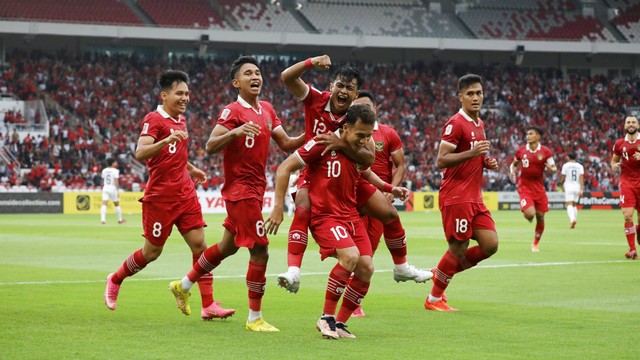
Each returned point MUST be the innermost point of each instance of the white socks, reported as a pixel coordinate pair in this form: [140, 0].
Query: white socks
[253, 315]
[103, 213]
[572, 211]
[186, 284]
[118, 213]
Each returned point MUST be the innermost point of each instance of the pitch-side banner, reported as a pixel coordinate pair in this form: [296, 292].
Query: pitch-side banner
[589, 200]
[30, 203]
[423, 201]
[212, 203]
[90, 203]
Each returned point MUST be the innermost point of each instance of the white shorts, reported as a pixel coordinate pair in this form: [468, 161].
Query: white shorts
[572, 195]
[110, 194]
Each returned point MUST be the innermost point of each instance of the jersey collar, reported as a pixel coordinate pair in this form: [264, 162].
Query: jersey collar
[626, 137]
[166, 115]
[327, 108]
[245, 104]
[536, 150]
[464, 114]
[375, 126]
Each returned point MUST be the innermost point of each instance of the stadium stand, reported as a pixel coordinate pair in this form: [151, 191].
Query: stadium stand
[86, 11]
[192, 13]
[390, 18]
[260, 16]
[628, 19]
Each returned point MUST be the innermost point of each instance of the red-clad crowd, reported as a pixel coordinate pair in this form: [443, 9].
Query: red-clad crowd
[95, 104]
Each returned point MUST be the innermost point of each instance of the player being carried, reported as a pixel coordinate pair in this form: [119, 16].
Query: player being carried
[324, 113]
[335, 223]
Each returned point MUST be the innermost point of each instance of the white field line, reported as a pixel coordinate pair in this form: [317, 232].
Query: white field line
[497, 266]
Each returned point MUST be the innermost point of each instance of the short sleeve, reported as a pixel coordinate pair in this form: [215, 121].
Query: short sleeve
[451, 133]
[394, 140]
[310, 152]
[150, 126]
[228, 118]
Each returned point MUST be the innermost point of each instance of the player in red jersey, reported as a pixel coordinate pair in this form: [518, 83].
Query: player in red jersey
[243, 132]
[170, 197]
[324, 113]
[535, 158]
[626, 158]
[462, 155]
[335, 223]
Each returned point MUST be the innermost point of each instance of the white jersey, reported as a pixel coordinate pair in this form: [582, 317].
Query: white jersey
[110, 178]
[572, 171]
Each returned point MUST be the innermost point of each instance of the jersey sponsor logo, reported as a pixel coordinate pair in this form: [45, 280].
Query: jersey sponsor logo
[145, 128]
[333, 154]
[473, 135]
[225, 114]
[379, 146]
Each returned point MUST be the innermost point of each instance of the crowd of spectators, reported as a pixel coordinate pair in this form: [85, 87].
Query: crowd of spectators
[96, 102]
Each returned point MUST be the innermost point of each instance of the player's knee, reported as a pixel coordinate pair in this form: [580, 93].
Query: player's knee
[349, 260]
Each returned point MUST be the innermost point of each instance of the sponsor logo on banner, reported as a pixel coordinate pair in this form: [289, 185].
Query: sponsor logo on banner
[212, 202]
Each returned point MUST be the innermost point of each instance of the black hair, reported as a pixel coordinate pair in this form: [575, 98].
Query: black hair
[367, 94]
[536, 129]
[467, 80]
[362, 112]
[110, 161]
[168, 77]
[348, 73]
[237, 64]
[571, 155]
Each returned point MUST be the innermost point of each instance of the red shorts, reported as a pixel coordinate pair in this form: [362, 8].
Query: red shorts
[244, 220]
[538, 200]
[629, 197]
[303, 181]
[364, 192]
[331, 234]
[375, 229]
[459, 220]
[158, 218]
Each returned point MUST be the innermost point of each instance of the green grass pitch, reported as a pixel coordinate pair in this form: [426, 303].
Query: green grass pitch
[576, 299]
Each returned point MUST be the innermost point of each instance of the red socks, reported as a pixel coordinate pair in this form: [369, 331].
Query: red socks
[395, 238]
[134, 263]
[630, 233]
[338, 278]
[353, 295]
[205, 284]
[208, 261]
[443, 273]
[539, 231]
[471, 258]
[297, 242]
[256, 282]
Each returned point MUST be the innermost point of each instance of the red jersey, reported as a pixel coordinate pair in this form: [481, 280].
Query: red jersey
[318, 118]
[335, 178]
[462, 183]
[630, 168]
[533, 163]
[245, 157]
[169, 179]
[387, 142]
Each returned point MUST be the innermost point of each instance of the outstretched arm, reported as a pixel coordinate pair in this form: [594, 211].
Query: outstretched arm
[291, 75]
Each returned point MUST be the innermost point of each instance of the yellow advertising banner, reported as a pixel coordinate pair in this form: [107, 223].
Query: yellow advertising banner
[90, 203]
[428, 201]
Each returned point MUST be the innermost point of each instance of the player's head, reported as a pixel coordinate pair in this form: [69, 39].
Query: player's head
[365, 97]
[112, 162]
[533, 134]
[571, 156]
[358, 125]
[344, 88]
[246, 76]
[631, 125]
[174, 91]
[470, 94]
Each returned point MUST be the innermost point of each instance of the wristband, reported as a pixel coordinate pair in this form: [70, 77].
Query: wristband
[308, 64]
[387, 188]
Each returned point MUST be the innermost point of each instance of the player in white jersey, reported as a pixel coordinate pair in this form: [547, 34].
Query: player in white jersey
[110, 191]
[572, 178]
[293, 187]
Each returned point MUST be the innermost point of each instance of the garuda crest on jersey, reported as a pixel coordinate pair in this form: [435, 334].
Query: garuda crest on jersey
[379, 146]
[540, 157]
[269, 124]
